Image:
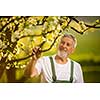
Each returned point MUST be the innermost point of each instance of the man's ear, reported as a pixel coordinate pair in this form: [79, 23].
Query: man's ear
[73, 49]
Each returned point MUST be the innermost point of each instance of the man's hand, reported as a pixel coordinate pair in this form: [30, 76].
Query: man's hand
[36, 53]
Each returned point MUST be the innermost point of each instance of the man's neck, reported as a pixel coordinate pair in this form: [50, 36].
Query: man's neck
[61, 60]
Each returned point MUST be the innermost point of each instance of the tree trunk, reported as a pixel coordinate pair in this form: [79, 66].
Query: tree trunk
[2, 68]
[11, 75]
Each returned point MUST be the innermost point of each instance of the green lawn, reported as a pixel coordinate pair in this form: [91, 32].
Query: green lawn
[92, 77]
[91, 74]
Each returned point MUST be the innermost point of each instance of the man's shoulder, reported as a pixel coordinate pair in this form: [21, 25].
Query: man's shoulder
[45, 57]
[75, 62]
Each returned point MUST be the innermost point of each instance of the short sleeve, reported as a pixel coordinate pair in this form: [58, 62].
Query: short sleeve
[39, 65]
[78, 73]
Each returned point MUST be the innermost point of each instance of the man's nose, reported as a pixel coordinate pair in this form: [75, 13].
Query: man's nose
[65, 46]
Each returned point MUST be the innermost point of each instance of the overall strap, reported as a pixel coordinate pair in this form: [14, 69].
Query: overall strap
[54, 75]
[72, 68]
[53, 69]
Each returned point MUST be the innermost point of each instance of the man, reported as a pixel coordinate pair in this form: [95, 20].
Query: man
[57, 68]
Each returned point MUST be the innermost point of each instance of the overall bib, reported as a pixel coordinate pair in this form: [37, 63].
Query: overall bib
[54, 74]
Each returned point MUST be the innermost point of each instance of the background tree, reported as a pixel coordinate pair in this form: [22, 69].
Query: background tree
[19, 34]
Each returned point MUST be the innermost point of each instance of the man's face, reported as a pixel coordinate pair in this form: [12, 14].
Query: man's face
[66, 46]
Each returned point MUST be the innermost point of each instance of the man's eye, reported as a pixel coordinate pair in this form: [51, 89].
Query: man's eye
[68, 44]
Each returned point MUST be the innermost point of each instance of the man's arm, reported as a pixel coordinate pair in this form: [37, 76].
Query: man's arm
[79, 74]
[30, 70]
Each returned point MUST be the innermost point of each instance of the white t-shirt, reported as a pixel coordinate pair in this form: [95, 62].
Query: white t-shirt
[62, 71]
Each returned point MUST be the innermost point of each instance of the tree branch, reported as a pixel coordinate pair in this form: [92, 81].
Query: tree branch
[5, 24]
[12, 20]
[76, 20]
[20, 59]
[76, 30]
[87, 25]
[51, 45]
[28, 36]
[92, 26]
[69, 21]
[43, 20]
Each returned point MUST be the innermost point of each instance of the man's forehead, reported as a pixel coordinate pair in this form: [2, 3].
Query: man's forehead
[67, 39]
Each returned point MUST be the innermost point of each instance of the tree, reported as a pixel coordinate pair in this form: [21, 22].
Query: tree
[19, 34]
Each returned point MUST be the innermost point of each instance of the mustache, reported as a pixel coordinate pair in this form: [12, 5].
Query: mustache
[65, 50]
[62, 54]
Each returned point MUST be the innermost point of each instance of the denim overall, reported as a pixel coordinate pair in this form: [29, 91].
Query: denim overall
[54, 74]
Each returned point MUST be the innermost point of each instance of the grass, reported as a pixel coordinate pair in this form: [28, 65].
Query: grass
[91, 74]
[92, 77]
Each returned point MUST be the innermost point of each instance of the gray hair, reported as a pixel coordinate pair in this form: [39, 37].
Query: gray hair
[72, 37]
